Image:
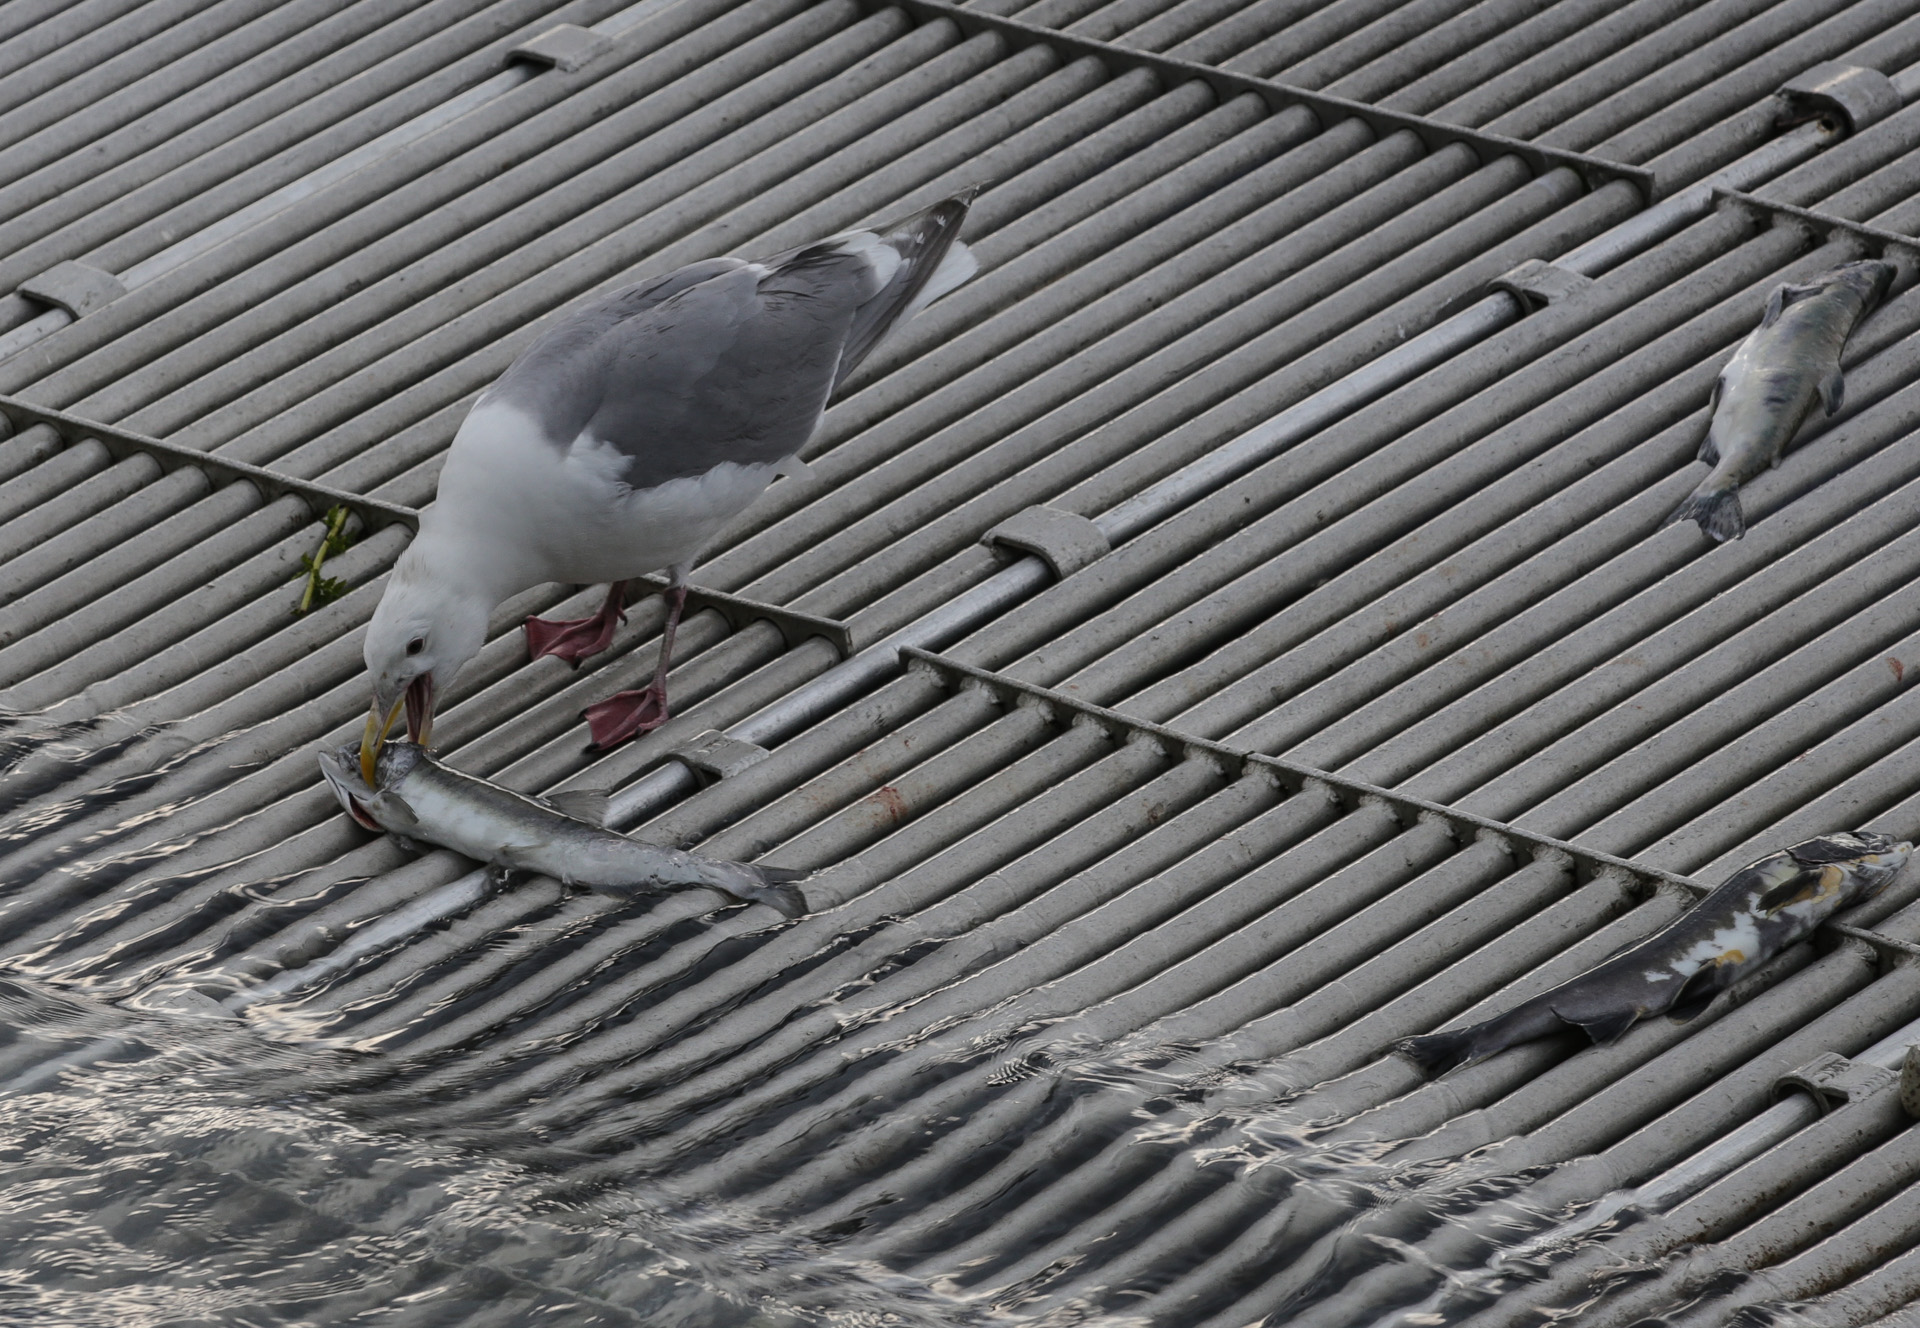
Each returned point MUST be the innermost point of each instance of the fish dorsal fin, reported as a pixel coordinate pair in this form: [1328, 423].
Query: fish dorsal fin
[1708, 452]
[1800, 885]
[1833, 391]
[1607, 1028]
[1826, 848]
[1696, 993]
[1785, 295]
[589, 805]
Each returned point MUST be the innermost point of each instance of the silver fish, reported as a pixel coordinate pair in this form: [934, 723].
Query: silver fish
[418, 798]
[1770, 386]
[1756, 913]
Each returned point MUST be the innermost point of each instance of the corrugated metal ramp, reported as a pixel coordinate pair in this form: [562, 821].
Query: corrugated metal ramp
[1358, 693]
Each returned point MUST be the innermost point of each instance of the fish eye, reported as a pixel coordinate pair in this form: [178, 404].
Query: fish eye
[416, 645]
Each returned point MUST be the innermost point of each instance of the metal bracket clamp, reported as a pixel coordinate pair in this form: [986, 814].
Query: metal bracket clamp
[712, 755]
[1537, 283]
[79, 288]
[566, 48]
[1833, 1080]
[1910, 1082]
[1857, 95]
[1065, 541]
[795, 627]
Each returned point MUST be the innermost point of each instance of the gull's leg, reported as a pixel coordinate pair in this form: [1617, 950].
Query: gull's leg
[625, 714]
[574, 639]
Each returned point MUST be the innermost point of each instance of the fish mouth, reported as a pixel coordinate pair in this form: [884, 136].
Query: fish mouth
[334, 767]
[358, 811]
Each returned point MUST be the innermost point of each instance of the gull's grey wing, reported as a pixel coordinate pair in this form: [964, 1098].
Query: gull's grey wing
[735, 367]
[727, 360]
[557, 381]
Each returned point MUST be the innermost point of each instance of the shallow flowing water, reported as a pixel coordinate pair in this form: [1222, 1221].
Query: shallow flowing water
[319, 1158]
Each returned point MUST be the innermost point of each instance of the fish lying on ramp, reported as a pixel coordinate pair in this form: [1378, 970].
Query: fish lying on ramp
[1770, 386]
[1759, 911]
[415, 797]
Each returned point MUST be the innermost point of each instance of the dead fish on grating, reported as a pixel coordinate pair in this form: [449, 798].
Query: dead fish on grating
[1758, 912]
[1770, 386]
[417, 798]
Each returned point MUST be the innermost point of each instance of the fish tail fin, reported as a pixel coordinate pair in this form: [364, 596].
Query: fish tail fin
[1716, 511]
[751, 883]
[1436, 1053]
[778, 890]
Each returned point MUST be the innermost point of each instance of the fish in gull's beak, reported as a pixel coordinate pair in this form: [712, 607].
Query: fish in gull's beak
[417, 698]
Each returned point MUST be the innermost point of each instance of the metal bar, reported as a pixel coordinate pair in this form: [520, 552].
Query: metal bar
[1227, 85]
[1821, 225]
[375, 513]
[795, 627]
[122, 443]
[1463, 826]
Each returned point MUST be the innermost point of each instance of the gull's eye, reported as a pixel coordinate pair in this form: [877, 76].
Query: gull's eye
[416, 645]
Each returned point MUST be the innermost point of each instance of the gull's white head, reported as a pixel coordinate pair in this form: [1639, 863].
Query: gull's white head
[427, 625]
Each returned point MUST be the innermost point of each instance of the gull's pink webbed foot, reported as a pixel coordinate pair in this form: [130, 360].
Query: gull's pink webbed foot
[576, 638]
[626, 715]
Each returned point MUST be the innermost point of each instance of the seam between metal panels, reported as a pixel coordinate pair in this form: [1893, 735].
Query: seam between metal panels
[1352, 793]
[122, 443]
[376, 513]
[794, 625]
[1226, 85]
[1817, 222]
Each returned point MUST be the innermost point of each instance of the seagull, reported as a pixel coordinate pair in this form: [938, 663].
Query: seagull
[622, 442]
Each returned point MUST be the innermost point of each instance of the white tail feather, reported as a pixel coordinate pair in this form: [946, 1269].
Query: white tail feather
[956, 265]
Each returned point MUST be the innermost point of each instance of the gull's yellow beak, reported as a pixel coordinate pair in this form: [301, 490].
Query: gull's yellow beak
[375, 736]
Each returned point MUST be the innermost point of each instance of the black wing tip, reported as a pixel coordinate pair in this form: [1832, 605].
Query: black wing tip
[932, 226]
[1436, 1053]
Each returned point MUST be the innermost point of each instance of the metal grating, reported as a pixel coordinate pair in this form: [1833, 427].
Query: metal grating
[1088, 1019]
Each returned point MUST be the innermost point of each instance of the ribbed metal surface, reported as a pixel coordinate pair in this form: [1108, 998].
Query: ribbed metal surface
[1090, 1013]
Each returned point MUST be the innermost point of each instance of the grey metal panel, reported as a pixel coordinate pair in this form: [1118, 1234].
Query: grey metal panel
[204, 154]
[1255, 350]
